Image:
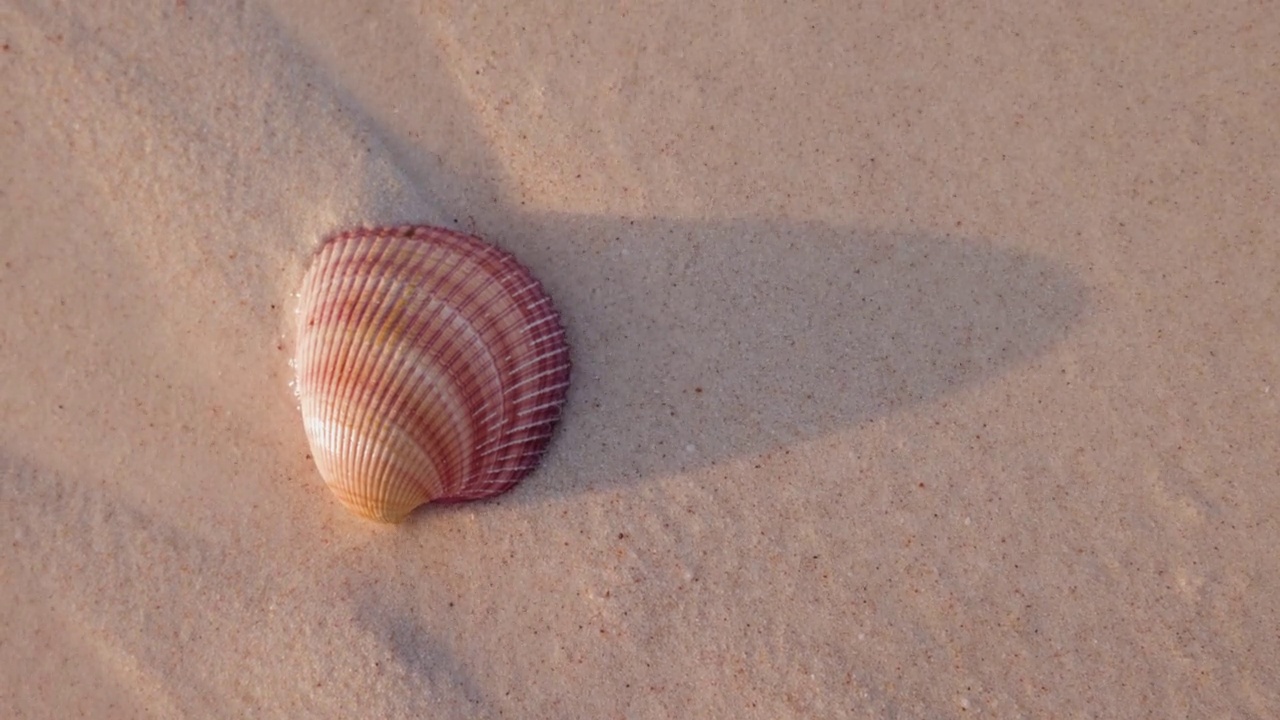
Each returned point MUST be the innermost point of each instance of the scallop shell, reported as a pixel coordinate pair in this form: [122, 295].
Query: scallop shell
[430, 367]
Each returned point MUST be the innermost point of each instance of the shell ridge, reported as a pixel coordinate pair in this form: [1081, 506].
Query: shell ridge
[553, 404]
[359, 288]
[511, 443]
[336, 298]
[543, 321]
[499, 310]
[460, 363]
[321, 370]
[379, 362]
[550, 389]
[536, 359]
[461, 360]
[392, 430]
[314, 314]
[410, 379]
[545, 373]
[546, 368]
[528, 426]
[374, 282]
[309, 314]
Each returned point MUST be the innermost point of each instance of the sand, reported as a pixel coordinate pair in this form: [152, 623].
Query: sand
[927, 359]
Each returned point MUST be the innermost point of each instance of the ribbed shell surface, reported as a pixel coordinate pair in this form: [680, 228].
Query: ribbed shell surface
[430, 367]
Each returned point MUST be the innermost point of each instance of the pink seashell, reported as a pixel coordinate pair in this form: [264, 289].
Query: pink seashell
[430, 367]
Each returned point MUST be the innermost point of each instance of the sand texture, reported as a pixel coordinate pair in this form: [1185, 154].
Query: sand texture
[926, 359]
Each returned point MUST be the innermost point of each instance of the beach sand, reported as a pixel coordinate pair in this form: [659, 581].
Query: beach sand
[926, 359]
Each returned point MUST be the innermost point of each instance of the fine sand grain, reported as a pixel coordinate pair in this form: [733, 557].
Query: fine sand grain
[927, 360]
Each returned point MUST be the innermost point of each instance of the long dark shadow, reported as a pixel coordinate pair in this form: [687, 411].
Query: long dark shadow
[697, 341]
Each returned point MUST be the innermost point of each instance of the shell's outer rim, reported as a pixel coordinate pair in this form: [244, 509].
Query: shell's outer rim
[548, 413]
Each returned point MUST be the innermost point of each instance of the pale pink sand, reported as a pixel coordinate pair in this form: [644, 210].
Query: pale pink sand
[927, 361]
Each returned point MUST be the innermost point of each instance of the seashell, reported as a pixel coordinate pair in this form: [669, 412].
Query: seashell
[430, 367]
